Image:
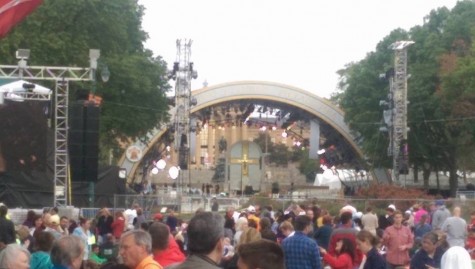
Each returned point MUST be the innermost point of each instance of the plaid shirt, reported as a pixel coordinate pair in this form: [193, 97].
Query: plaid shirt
[301, 252]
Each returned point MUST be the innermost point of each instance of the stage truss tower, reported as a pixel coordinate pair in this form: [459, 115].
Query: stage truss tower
[62, 76]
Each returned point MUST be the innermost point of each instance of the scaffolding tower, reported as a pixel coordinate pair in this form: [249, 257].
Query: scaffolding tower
[183, 72]
[398, 93]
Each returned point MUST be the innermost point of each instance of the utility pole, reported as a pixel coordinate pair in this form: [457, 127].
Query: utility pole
[61, 75]
[183, 72]
[398, 93]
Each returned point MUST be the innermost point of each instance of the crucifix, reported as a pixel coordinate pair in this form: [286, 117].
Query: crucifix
[245, 161]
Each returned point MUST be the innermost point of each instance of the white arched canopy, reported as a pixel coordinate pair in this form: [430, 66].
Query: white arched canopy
[258, 90]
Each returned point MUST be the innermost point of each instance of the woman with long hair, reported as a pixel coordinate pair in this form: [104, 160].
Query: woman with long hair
[345, 255]
[367, 243]
[248, 235]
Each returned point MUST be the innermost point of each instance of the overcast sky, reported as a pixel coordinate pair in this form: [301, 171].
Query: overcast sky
[301, 43]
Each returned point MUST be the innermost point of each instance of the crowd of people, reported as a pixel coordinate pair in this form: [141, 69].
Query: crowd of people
[425, 236]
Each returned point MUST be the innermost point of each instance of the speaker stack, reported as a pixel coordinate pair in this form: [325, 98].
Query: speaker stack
[83, 140]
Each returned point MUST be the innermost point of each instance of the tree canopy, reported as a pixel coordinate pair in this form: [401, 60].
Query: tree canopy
[441, 93]
[61, 32]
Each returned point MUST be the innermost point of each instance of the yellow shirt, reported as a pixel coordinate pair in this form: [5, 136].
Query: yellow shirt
[148, 263]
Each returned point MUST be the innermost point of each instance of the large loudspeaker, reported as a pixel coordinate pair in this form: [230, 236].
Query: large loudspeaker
[83, 139]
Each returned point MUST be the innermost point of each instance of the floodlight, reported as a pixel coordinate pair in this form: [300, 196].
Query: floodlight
[23, 54]
[122, 173]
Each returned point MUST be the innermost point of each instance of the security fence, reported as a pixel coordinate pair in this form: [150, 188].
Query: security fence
[188, 204]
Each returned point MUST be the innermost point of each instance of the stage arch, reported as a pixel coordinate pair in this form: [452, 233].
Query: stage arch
[206, 97]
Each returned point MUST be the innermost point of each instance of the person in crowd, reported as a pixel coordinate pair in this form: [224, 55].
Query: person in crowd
[52, 226]
[104, 224]
[229, 223]
[130, 214]
[172, 221]
[95, 259]
[422, 228]
[83, 232]
[253, 216]
[15, 257]
[41, 258]
[72, 225]
[456, 228]
[214, 205]
[118, 225]
[323, 234]
[323, 213]
[345, 230]
[278, 220]
[388, 219]
[456, 258]
[266, 232]
[408, 219]
[249, 235]
[367, 243]
[140, 219]
[398, 240]
[261, 254]
[136, 250]
[300, 251]
[7, 228]
[30, 219]
[164, 247]
[440, 214]
[38, 225]
[241, 225]
[345, 250]
[205, 242]
[430, 254]
[311, 214]
[471, 236]
[358, 225]
[64, 225]
[67, 252]
[26, 239]
[109, 249]
[419, 211]
[287, 229]
[370, 221]
[228, 248]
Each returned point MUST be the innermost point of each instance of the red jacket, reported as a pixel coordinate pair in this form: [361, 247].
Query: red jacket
[170, 255]
[345, 232]
[118, 227]
[343, 261]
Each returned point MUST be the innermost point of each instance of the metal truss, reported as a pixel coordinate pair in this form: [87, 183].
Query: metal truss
[399, 115]
[62, 76]
[46, 72]
[183, 73]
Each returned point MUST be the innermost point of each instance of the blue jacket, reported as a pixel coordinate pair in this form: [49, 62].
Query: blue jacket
[374, 260]
[40, 260]
[421, 259]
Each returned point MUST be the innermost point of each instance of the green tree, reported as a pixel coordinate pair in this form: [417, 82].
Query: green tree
[441, 96]
[61, 32]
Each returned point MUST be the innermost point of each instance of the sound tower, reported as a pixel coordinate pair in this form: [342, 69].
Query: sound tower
[83, 140]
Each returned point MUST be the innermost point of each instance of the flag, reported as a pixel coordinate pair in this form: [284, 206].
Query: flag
[13, 12]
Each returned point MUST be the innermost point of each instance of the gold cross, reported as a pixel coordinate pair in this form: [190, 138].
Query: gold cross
[245, 161]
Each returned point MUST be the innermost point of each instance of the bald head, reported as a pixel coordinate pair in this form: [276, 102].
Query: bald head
[457, 211]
